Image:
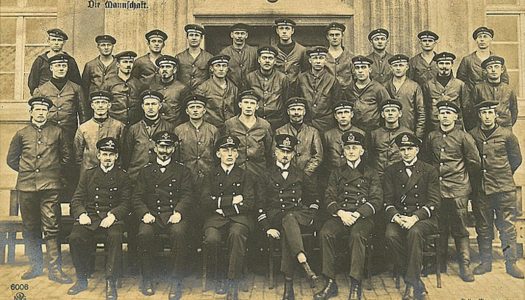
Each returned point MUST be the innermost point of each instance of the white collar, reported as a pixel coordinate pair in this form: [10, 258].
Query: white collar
[106, 170]
[355, 164]
[227, 169]
[413, 162]
[283, 167]
[163, 163]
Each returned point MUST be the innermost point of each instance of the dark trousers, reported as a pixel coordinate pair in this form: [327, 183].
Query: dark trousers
[407, 246]
[503, 205]
[453, 221]
[147, 237]
[83, 241]
[358, 234]
[291, 243]
[237, 235]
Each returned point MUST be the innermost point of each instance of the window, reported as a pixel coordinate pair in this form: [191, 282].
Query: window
[507, 18]
[23, 26]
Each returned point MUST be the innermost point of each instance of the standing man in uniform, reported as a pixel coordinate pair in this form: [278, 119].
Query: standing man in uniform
[69, 109]
[139, 144]
[254, 133]
[162, 201]
[380, 69]
[383, 149]
[40, 70]
[291, 204]
[126, 90]
[339, 58]
[422, 66]
[39, 152]
[366, 94]
[100, 204]
[193, 62]
[320, 89]
[353, 196]
[291, 56]
[99, 69]
[408, 92]
[243, 57]
[145, 65]
[271, 86]
[496, 189]
[219, 91]
[454, 153]
[98, 127]
[228, 202]
[308, 153]
[470, 70]
[174, 92]
[444, 88]
[494, 89]
[332, 143]
[411, 192]
[197, 139]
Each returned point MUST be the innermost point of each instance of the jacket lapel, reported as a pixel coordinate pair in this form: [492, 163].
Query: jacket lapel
[414, 178]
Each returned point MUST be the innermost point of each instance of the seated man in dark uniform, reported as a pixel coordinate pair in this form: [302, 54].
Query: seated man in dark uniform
[162, 200]
[99, 205]
[291, 203]
[228, 201]
[411, 193]
[353, 196]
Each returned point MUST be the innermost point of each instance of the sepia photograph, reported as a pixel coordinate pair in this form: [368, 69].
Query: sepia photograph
[262, 149]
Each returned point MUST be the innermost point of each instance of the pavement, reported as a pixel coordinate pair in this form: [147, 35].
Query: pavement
[494, 285]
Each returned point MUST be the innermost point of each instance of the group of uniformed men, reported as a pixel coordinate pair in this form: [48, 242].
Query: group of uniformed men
[266, 138]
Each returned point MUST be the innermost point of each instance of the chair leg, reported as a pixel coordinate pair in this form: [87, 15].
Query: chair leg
[11, 247]
[438, 263]
[397, 278]
[368, 282]
[271, 275]
[3, 244]
[204, 268]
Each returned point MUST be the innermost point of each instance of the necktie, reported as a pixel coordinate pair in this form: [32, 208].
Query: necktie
[409, 170]
[162, 169]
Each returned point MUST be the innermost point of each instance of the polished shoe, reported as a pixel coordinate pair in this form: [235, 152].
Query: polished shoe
[288, 290]
[409, 292]
[111, 290]
[57, 275]
[233, 291]
[314, 279]
[513, 270]
[175, 290]
[420, 291]
[220, 287]
[465, 273]
[330, 290]
[79, 286]
[356, 290]
[482, 268]
[147, 288]
[32, 273]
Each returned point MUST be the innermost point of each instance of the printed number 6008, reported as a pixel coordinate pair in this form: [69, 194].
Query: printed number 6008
[19, 287]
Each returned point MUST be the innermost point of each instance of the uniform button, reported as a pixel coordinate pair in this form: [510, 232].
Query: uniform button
[484, 142]
[442, 149]
[39, 142]
[441, 164]
[59, 122]
[96, 189]
[96, 196]
[358, 185]
[484, 171]
[484, 156]
[38, 156]
[405, 208]
[158, 201]
[37, 170]
[440, 178]
[156, 185]
[293, 191]
[281, 199]
[98, 211]
[198, 157]
[315, 105]
[171, 193]
[280, 192]
[283, 205]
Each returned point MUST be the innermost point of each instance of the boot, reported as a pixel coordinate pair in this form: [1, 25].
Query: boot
[147, 287]
[36, 259]
[111, 290]
[420, 291]
[80, 285]
[220, 287]
[55, 272]
[485, 252]
[175, 290]
[409, 292]
[330, 290]
[482, 268]
[512, 269]
[233, 290]
[288, 290]
[356, 289]
[462, 246]
[310, 274]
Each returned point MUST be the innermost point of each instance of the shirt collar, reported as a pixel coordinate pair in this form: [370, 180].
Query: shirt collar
[106, 170]
[283, 167]
[227, 169]
[355, 164]
[409, 164]
[163, 163]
